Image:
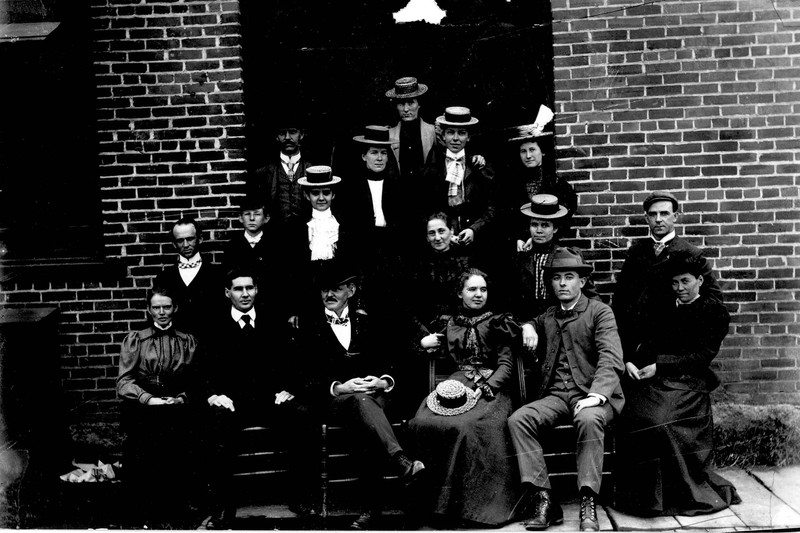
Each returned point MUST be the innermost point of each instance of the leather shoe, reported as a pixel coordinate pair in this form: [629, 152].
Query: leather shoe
[589, 514]
[412, 473]
[367, 520]
[546, 513]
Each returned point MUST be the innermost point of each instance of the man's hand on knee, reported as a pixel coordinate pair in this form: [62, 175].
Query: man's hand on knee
[589, 401]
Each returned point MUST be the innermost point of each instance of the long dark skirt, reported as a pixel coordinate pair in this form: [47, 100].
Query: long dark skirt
[471, 471]
[664, 454]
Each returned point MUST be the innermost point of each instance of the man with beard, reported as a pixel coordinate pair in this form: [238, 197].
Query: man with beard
[277, 183]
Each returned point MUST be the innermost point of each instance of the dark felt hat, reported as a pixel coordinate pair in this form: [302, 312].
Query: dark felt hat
[335, 272]
[407, 87]
[319, 176]
[565, 259]
[660, 196]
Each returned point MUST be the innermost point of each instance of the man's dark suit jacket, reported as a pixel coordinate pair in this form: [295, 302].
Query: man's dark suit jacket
[248, 367]
[265, 183]
[199, 301]
[328, 361]
[643, 282]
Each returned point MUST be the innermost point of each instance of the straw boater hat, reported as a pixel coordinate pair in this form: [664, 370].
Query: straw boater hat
[318, 176]
[407, 88]
[567, 259]
[456, 116]
[544, 206]
[661, 196]
[451, 398]
[374, 136]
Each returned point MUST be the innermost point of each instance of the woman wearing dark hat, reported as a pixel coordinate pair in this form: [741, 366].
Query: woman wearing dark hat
[527, 175]
[529, 291]
[666, 429]
[460, 429]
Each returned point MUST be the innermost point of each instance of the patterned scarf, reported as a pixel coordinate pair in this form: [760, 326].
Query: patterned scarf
[471, 323]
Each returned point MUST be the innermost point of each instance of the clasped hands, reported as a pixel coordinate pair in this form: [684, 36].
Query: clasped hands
[636, 373]
[465, 237]
[366, 385]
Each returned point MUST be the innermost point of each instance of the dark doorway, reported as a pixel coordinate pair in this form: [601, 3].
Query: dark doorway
[333, 61]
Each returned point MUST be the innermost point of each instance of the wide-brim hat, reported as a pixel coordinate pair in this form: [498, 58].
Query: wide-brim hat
[335, 272]
[451, 398]
[407, 87]
[565, 259]
[544, 206]
[660, 196]
[319, 176]
[457, 116]
[535, 130]
[374, 136]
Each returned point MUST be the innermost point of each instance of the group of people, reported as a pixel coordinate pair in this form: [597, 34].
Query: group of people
[329, 305]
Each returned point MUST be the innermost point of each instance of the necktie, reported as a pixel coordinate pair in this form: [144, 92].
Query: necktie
[193, 264]
[336, 321]
[290, 169]
[565, 313]
[247, 325]
[658, 247]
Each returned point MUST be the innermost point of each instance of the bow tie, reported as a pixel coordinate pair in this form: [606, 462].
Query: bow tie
[565, 313]
[193, 264]
[456, 159]
[336, 321]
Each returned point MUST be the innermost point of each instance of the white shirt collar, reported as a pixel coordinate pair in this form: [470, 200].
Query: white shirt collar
[679, 303]
[454, 155]
[194, 259]
[668, 237]
[290, 159]
[345, 312]
[255, 239]
[165, 328]
[237, 315]
[321, 214]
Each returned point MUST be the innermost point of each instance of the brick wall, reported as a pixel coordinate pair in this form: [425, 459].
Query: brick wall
[701, 98]
[170, 123]
[698, 97]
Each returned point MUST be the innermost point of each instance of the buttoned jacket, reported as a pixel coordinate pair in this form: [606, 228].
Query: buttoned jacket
[590, 341]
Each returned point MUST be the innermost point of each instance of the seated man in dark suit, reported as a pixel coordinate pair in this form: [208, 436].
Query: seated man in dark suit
[249, 381]
[194, 281]
[353, 382]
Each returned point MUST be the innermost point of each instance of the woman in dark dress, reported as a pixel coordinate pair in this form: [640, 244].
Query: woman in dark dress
[666, 429]
[471, 471]
[156, 387]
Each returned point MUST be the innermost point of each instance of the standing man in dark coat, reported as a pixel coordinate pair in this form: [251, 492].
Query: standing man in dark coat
[579, 371]
[194, 282]
[412, 137]
[277, 183]
[250, 381]
[643, 282]
[353, 382]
